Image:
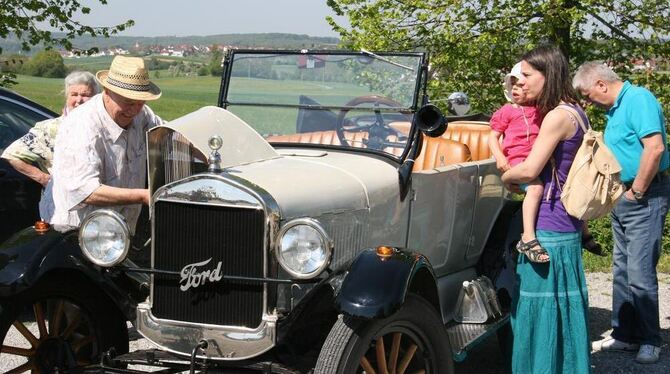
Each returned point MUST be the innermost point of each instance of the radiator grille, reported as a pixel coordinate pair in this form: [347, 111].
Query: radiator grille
[187, 234]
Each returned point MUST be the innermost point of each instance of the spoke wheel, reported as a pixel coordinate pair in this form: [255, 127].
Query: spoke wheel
[56, 328]
[395, 352]
[412, 341]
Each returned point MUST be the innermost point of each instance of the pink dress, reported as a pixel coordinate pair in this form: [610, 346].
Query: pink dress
[519, 133]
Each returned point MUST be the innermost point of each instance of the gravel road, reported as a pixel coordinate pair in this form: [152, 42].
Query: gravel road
[486, 359]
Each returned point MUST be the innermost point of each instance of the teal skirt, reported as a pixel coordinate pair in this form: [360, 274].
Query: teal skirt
[550, 310]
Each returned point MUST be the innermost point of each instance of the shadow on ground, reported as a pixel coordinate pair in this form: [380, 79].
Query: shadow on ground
[621, 362]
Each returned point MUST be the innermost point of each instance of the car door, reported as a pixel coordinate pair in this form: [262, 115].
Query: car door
[19, 195]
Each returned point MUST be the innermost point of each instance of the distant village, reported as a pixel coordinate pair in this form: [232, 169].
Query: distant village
[184, 50]
[180, 50]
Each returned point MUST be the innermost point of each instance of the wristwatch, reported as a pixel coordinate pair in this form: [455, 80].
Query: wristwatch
[637, 194]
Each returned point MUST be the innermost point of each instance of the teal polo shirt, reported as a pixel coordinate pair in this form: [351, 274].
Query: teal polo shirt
[635, 114]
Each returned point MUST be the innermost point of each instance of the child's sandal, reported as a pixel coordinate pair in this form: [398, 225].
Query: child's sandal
[590, 244]
[533, 250]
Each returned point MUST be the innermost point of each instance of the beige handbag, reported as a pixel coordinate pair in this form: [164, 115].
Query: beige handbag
[593, 185]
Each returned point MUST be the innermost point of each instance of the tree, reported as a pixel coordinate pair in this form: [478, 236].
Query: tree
[473, 43]
[215, 62]
[26, 19]
[203, 70]
[48, 64]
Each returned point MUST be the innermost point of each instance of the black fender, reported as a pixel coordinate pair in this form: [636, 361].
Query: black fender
[376, 286]
[29, 257]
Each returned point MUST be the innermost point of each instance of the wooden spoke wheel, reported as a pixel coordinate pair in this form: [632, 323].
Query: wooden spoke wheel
[54, 327]
[412, 341]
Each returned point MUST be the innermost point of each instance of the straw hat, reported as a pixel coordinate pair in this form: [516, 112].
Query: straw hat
[129, 78]
[514, 73]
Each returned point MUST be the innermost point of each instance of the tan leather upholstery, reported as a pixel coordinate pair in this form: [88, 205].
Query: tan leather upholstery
[474, 134]
[401, 126]
[435, 153]
[439, 152]
[320, 137]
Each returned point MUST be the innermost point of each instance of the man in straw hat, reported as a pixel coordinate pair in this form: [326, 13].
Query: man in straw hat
[100, 152]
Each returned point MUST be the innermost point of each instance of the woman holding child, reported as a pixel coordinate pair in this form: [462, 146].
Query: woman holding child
[550, 310]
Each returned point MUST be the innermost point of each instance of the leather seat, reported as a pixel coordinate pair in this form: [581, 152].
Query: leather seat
[440, 152]
[474, 134]
[435, 152]
[328, 137]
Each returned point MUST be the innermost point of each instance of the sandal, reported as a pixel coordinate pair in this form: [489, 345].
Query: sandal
[533, 250]
[591, 245]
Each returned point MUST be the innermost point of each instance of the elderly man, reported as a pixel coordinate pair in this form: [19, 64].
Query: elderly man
[100, 154]
[636, 134]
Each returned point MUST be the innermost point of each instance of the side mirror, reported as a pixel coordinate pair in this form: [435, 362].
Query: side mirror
[459, 103]
[430, 121]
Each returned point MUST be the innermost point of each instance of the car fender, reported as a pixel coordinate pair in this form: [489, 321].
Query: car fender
[376, 286]
[29, 257]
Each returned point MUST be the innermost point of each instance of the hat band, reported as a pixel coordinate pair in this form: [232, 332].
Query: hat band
[128, 86]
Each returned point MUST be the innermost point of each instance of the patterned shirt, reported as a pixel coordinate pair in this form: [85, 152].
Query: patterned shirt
[92, 150]
[37, 146]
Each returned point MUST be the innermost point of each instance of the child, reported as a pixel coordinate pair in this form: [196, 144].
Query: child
[519, 125]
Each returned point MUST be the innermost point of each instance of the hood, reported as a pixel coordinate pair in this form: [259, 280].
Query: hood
[312, 183]
[302, 182]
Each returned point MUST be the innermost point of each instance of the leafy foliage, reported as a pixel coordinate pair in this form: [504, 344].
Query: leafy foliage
[473, 43]
[26, 19]
[215, 67]
[48, 64]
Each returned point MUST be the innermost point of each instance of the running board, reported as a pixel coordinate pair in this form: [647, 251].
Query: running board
[465, 336]
[170, 363]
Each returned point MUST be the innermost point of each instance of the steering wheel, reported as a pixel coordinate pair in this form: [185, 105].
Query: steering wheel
[378, 132]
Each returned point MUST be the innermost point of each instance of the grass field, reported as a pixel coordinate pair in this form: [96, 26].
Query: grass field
[180, 95]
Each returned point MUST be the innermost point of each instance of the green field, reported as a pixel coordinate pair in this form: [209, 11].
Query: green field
[180, 95]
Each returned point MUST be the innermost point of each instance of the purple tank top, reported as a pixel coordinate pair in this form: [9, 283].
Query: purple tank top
[552, 215]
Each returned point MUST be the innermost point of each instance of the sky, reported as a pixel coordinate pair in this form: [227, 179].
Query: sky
[210, 17]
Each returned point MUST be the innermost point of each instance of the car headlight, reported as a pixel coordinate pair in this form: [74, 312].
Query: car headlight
[304, 249]
[104, 237]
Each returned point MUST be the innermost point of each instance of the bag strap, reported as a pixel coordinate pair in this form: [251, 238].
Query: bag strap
[575, 115]
[554, 170]
[554, 178]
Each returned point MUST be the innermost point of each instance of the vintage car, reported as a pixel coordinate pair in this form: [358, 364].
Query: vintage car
[324, 217]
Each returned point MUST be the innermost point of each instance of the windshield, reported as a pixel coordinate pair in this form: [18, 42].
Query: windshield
[356, 100]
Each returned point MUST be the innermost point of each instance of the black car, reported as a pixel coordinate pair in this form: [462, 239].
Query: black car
[19, 195]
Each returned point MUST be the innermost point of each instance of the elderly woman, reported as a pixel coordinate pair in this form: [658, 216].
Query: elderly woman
[550, 309]
[32, 154]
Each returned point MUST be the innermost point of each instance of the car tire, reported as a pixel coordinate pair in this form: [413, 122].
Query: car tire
[59, 326]
[353, 344]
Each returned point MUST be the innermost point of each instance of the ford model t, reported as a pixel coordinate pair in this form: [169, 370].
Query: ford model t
[320, 218]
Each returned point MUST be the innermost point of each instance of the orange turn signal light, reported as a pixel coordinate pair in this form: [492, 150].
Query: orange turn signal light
[384, 251]
[41, 227]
